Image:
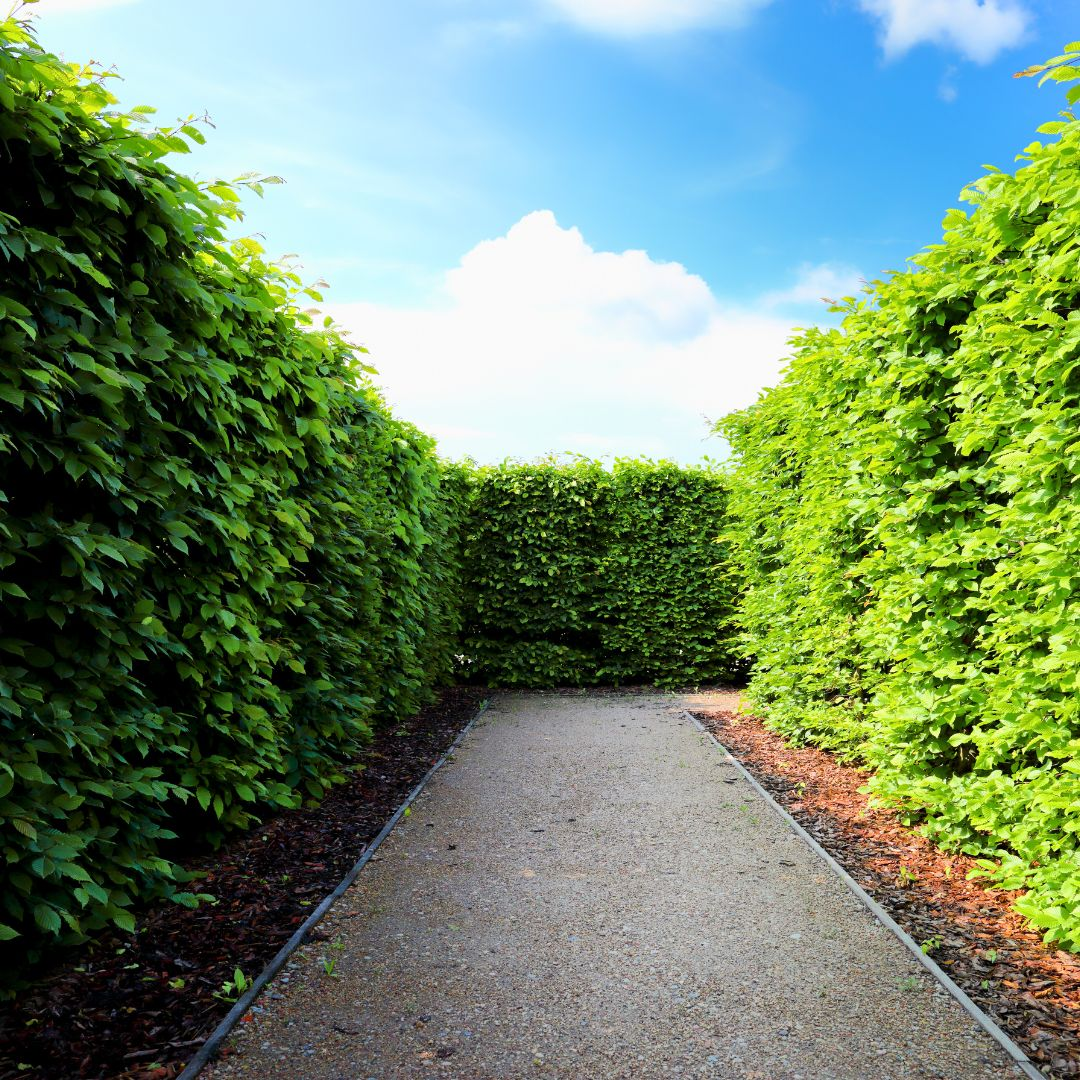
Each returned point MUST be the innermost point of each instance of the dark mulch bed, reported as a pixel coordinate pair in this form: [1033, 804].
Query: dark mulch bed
[1030, 990]
[139, 1005]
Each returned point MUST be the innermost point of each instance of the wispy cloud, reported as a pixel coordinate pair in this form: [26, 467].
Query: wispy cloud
[616, 444]
[739, 173]
[456, 431]
[365, 181]
[977, 29]
[632, 18]
[816, 283]
[537, 342]
[74, 7]
[947, 88]
[469, 33]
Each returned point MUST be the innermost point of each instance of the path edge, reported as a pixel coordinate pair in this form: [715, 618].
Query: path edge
[209, 1049]
[1018, 1056]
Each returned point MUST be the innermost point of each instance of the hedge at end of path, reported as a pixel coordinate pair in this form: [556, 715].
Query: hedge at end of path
[578, 575]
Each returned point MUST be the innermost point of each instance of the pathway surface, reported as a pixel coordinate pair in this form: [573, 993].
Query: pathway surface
[589, 891]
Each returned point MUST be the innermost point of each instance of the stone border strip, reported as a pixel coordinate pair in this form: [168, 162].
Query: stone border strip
[210, 1048]
[1021, 1059]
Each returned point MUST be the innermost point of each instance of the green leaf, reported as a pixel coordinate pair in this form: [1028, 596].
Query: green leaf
[124, 920]
[47, 919]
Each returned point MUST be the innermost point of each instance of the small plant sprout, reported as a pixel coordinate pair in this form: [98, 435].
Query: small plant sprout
[931, 944]
[177, 984]
[906, 877]
[909, 982]
[329, 965]
[991, 955]
[232, 988]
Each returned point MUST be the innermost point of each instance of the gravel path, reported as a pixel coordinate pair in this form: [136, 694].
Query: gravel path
[589, 891]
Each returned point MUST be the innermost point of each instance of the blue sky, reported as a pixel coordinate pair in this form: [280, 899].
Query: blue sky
[585, 225]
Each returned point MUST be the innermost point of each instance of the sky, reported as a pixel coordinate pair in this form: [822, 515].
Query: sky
[585, 226]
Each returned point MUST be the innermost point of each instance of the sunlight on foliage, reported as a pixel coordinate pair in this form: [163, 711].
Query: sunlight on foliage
[220, 557]
[907, 515]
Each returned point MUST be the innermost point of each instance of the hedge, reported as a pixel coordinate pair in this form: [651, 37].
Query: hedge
[578, 575]
[907, 517]
[221, 558]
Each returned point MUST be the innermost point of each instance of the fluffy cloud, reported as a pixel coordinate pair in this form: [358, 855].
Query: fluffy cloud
[538, 343]
[629, 18]
[979, 29]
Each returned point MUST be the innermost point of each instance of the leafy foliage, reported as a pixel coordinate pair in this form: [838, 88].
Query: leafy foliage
[575, 575]
[907, 515]
[220, 557]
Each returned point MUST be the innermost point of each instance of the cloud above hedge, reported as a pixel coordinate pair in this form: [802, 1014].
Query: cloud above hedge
[978, 29]
[536, 342]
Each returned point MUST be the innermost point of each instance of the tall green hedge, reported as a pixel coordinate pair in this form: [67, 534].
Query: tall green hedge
[578, 575]
[220, 557]
[907, 516]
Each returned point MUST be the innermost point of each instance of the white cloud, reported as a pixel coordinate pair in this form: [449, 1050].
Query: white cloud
[978, 29]
[616, 444]
[947, 88]
[630, 18]
[815, 283]
[537, 343]
[456, 431]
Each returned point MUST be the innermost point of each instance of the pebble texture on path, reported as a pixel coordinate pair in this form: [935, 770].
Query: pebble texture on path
[589, 891]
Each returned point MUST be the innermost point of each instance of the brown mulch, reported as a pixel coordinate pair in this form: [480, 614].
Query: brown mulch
[1030, 990]
[139, 1005]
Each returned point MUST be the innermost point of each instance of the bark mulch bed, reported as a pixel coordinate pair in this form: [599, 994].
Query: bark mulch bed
[139, 1005]
[1032, 991]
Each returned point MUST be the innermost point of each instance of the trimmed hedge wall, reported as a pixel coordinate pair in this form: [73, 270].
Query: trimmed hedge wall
[907, 519]
[575, 575]
[220, 557]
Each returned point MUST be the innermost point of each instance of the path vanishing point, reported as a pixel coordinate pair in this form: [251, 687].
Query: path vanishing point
[590, 889]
